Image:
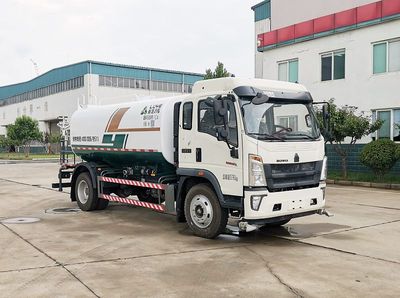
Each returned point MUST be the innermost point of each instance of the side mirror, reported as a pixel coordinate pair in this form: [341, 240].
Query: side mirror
[326, 117]
[222, 134]
[260, 98]
[308, 120]
[234, 152]
[220, 112]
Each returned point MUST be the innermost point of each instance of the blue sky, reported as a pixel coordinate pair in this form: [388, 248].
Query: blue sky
[177, 34]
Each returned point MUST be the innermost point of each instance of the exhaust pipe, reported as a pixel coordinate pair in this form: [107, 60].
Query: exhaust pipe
[325, 212]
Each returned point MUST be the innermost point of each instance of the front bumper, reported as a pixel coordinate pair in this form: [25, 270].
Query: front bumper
[287, 204]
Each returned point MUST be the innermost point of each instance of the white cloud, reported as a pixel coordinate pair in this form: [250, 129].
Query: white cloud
[177, 34]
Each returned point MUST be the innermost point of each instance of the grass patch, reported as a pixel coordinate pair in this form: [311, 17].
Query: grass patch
[21, 156]
[364, 177]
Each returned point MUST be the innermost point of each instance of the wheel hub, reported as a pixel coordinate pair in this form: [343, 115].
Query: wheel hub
[83, 191]
[201, 211]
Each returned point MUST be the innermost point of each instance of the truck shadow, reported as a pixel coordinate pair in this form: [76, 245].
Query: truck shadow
[293, 231]
[299, 231]
[129, 217]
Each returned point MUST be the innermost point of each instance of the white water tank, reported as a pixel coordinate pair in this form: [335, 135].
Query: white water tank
[139, 128]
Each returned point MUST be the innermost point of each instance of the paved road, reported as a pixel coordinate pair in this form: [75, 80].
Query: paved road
[129, 251]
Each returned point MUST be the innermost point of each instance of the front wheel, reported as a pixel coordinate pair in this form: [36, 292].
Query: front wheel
[203, 212]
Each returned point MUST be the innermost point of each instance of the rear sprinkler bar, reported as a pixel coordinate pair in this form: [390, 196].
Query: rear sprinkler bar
[157, 207]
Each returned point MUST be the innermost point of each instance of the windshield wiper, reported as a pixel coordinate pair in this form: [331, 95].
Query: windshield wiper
[301, 135]
[265, 136]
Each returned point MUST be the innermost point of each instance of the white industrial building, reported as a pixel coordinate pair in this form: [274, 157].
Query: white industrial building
[346, 50]
[60, 91]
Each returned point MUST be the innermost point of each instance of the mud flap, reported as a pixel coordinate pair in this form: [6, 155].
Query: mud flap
[170, 199]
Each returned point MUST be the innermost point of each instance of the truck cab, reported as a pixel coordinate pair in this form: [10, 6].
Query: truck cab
[254, 143]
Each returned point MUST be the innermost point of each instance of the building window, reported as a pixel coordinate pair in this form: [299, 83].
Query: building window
[126, 83]
[101, 81]
[187, 88]
[121, 82]
[289, 121]
[396, 125]
[391, 125]
[386, 56]
[262, 11]
[333, 65]
[46, 107]
[45, 91]
[144, 84]
[288, 71]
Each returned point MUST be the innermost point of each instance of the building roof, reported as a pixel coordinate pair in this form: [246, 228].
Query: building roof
[259, 4]
[71, 71]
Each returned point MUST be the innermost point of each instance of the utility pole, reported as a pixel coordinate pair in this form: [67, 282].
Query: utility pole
[35, 67]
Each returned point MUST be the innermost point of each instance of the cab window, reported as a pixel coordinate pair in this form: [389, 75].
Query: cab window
[206, 121]
[187, 115]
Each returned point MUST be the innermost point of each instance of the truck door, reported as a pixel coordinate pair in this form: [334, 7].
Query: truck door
[200, 148]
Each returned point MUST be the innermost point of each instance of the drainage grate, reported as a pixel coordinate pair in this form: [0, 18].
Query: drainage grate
[63, 210]
[20, 220]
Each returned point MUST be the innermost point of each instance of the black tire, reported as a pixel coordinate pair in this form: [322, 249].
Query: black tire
[145, 196]
[102, 204]
[85, 194]
[276, 223]
[216, 223]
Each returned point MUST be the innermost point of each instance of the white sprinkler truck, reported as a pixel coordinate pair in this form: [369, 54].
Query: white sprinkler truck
[245, 149]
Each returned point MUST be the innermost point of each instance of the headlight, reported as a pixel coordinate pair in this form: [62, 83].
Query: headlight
[256, 171]
[324, 171]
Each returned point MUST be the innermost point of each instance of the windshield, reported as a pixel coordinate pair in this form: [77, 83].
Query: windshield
[281, 121]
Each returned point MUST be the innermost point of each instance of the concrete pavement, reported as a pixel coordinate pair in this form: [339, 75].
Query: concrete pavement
[129, 251]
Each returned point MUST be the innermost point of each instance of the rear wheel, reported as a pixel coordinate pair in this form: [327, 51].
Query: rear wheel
[85, 194]
[204, 215]
[144, 195]
[102, 204]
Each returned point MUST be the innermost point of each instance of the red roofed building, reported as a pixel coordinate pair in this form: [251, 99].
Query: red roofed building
[346, 50]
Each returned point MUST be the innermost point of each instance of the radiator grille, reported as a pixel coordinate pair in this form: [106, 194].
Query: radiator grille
[292, 176]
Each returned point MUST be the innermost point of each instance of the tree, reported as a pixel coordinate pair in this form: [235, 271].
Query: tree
[219, 72]
[51, 140]
[347, 124]
[23, 132]
[6, 143]
[380, 156]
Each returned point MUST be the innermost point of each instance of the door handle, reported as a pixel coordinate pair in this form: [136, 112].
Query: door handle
[198, 154]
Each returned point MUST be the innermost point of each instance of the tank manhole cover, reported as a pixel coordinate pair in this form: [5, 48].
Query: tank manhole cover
[20, 220]
[63, 210]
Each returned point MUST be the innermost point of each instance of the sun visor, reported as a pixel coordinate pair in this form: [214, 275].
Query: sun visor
[274, 96]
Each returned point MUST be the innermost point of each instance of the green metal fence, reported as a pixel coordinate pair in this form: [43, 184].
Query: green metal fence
[353, 162]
